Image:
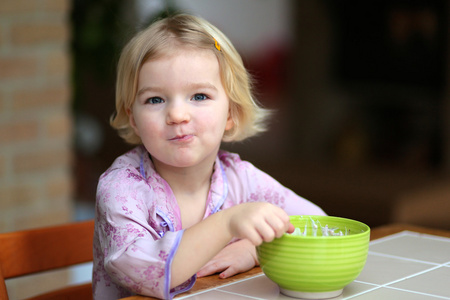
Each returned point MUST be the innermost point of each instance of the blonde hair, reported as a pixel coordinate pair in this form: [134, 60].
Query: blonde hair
[157, 41]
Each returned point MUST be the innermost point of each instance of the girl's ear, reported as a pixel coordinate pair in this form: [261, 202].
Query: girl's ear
[230, 122]
[132, 121]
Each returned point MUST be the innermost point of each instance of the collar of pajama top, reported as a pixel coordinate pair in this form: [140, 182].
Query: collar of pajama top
[168, 210]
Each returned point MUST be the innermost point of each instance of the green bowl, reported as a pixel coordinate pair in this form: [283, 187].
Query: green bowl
[325, 254]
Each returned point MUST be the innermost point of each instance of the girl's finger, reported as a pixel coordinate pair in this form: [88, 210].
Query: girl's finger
[278, 224]
[291, 228]
[230, 271]
[210, 268]
[266, 231]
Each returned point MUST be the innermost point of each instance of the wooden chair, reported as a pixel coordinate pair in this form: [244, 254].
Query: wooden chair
[37, 250]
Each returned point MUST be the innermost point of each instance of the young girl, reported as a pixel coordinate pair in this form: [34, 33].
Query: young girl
[176, 207]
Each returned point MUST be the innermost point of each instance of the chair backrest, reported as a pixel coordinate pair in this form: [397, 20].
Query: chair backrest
[37, 250]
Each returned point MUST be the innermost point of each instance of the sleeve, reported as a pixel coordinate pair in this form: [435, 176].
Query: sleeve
[258, 186]
[135, 256]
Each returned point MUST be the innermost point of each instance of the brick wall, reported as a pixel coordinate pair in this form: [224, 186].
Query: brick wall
[35, 119]
[35, 124]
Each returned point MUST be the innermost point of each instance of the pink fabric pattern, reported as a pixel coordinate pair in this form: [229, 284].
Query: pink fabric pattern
[138, 224]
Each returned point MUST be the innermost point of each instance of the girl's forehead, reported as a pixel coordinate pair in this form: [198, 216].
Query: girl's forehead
[181, 50]
[185, 61]
[176, 48]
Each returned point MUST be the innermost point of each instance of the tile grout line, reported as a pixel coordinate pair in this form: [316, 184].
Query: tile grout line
[388, 284]
[196, 294]
[376, 287]
[404, 258]
[389, 237]
[217, 288]
[241, 295]
[413, 275]
[411, 234]
[393, 237]
[416, 292]
[431, 237]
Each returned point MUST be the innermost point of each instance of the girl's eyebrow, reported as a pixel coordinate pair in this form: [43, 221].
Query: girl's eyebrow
[201, 85]
[149, 89]
[190, 86]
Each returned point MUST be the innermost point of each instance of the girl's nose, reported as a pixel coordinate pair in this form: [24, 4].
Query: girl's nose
[178, 112]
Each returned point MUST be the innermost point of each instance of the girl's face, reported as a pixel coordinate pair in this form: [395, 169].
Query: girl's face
[181, 109]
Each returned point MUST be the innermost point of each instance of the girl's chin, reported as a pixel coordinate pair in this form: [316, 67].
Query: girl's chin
[178, 163]
[185, 159]
[186, 162]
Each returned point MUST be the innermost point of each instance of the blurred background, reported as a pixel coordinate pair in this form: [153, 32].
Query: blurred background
[360, 90]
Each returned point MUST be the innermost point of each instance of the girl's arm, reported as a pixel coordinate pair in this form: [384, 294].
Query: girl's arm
[235, 258]
[256, 222]
[251, 184]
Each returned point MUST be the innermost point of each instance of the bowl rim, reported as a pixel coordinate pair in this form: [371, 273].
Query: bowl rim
[366, 228]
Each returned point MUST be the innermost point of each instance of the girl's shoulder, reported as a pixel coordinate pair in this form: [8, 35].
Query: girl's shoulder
[130, 158]
[232, 162]
[229, 159]
[242, 170]
[128, 162]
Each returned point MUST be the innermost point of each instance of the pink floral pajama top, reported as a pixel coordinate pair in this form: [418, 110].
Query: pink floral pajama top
[138, 224]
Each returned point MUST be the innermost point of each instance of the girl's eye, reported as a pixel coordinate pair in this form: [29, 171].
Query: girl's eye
[154, 100]
[199, 97]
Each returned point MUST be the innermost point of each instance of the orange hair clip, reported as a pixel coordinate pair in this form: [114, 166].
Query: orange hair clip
[217, 44]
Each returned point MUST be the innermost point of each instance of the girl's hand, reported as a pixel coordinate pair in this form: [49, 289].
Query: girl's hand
[258, 222]
[235, 258]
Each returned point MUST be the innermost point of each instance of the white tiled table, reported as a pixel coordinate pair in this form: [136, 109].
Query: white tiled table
[404, 265]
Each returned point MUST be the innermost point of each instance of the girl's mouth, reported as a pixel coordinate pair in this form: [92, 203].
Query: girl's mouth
[182, 138]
